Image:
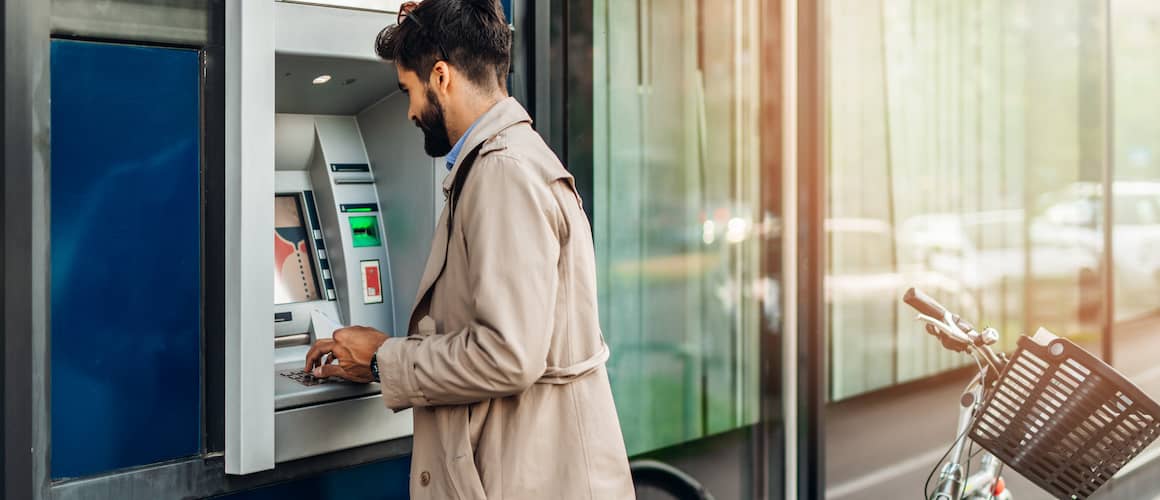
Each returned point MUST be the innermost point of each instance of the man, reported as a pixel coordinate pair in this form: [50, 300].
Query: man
[504, 364]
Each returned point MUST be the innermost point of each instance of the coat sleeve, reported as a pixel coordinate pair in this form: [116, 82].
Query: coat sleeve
[510, 222]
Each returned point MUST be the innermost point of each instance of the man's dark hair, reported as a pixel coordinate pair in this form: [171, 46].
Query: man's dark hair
[473, 33]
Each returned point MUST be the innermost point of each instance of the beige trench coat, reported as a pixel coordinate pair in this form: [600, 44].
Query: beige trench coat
[504, 365]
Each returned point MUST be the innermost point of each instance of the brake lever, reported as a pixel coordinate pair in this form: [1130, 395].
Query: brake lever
[951, 337]
[947, 342]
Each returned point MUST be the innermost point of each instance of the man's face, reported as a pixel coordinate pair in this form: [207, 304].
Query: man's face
[425, 112]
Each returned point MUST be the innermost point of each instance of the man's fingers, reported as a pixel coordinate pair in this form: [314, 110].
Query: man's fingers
[325, 371]
[317, 351]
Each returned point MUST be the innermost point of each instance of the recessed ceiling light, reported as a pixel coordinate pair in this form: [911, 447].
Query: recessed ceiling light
[321, 79]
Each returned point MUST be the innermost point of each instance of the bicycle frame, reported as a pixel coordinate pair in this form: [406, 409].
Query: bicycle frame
[953, 485]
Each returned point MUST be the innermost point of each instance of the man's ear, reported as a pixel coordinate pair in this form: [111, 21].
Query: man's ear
[441, 76]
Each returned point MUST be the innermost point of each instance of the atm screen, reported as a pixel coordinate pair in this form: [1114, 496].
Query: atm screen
[294, 279]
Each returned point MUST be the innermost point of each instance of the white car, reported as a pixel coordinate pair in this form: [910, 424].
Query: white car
[987, 252]
[1076, 214]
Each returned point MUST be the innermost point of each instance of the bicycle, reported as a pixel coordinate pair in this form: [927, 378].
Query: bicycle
[1053, 412]
[955, 334]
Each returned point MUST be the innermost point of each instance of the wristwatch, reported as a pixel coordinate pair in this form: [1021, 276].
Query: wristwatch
[375, 366]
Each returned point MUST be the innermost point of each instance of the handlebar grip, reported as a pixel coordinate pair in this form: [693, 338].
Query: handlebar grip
[924, 304]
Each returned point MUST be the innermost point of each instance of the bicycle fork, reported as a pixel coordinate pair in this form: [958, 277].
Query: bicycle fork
[951, 481]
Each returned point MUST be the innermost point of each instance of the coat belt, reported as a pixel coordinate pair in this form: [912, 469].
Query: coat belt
[563, 375]
[554, 375]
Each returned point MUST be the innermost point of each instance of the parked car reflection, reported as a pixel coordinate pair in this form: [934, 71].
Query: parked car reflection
[990, 254]
[1075, 215]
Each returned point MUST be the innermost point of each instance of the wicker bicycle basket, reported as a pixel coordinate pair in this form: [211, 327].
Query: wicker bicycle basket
[1064, 419]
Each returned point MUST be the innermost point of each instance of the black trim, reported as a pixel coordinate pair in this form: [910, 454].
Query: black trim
[213, 228]
[811, 206]
[311, 211]
[576, 99]
[350, 167]
[552, 49]
[283, 317]
[3, 264]
[769, 451]
[120, 41]
[521, 56]
[359, 208]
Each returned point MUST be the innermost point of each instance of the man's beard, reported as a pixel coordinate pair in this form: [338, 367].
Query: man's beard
[436, 140]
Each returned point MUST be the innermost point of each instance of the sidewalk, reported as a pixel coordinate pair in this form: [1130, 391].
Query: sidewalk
[884, 445]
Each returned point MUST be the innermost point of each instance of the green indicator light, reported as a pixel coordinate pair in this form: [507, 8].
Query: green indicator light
[364, 230]
[367, 209]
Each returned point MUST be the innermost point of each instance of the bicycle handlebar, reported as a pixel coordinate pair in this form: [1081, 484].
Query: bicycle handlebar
[960, 340]
[923, 303]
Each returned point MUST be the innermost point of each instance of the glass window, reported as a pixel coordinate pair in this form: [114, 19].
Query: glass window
[972, 133]
[1135, 234]
[678, 221]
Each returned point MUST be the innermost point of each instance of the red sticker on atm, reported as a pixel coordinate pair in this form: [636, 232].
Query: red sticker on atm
[372, 283]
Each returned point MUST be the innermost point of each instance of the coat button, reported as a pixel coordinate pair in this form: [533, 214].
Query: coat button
[425, 478]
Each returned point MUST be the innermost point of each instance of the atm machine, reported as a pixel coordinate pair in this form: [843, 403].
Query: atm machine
[321, 154]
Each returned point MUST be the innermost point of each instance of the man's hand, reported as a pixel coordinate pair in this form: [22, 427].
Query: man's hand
[347, 355]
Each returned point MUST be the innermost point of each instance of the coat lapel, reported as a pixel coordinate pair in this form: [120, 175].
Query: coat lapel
[500, 117]
[435, 261]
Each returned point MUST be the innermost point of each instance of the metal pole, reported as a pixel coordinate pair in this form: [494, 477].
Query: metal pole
[1108, 261]
[789, 243]
[810, 167]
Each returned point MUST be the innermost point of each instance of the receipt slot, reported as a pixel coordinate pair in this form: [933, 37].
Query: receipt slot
[321, 156]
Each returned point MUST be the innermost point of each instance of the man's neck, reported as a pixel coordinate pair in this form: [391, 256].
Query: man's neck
[458, 125]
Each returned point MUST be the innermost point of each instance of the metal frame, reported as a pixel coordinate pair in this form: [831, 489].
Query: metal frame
[213, 179]
[1109, 168]
[521, 23]
[258, 433]
[563, 99]
[249, 407]
[810, 167]
[25, 197]
[25, 256]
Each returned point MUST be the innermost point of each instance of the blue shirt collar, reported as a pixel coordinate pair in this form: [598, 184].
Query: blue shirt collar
[457, 149]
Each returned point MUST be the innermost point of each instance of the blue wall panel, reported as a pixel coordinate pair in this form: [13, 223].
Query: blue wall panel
[125, 262]
[377, 481]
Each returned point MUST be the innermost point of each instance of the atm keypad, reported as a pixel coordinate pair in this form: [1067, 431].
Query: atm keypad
[306, 378]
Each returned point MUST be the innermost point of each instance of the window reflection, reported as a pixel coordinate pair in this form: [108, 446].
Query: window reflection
[966, 134]
[678, 227]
